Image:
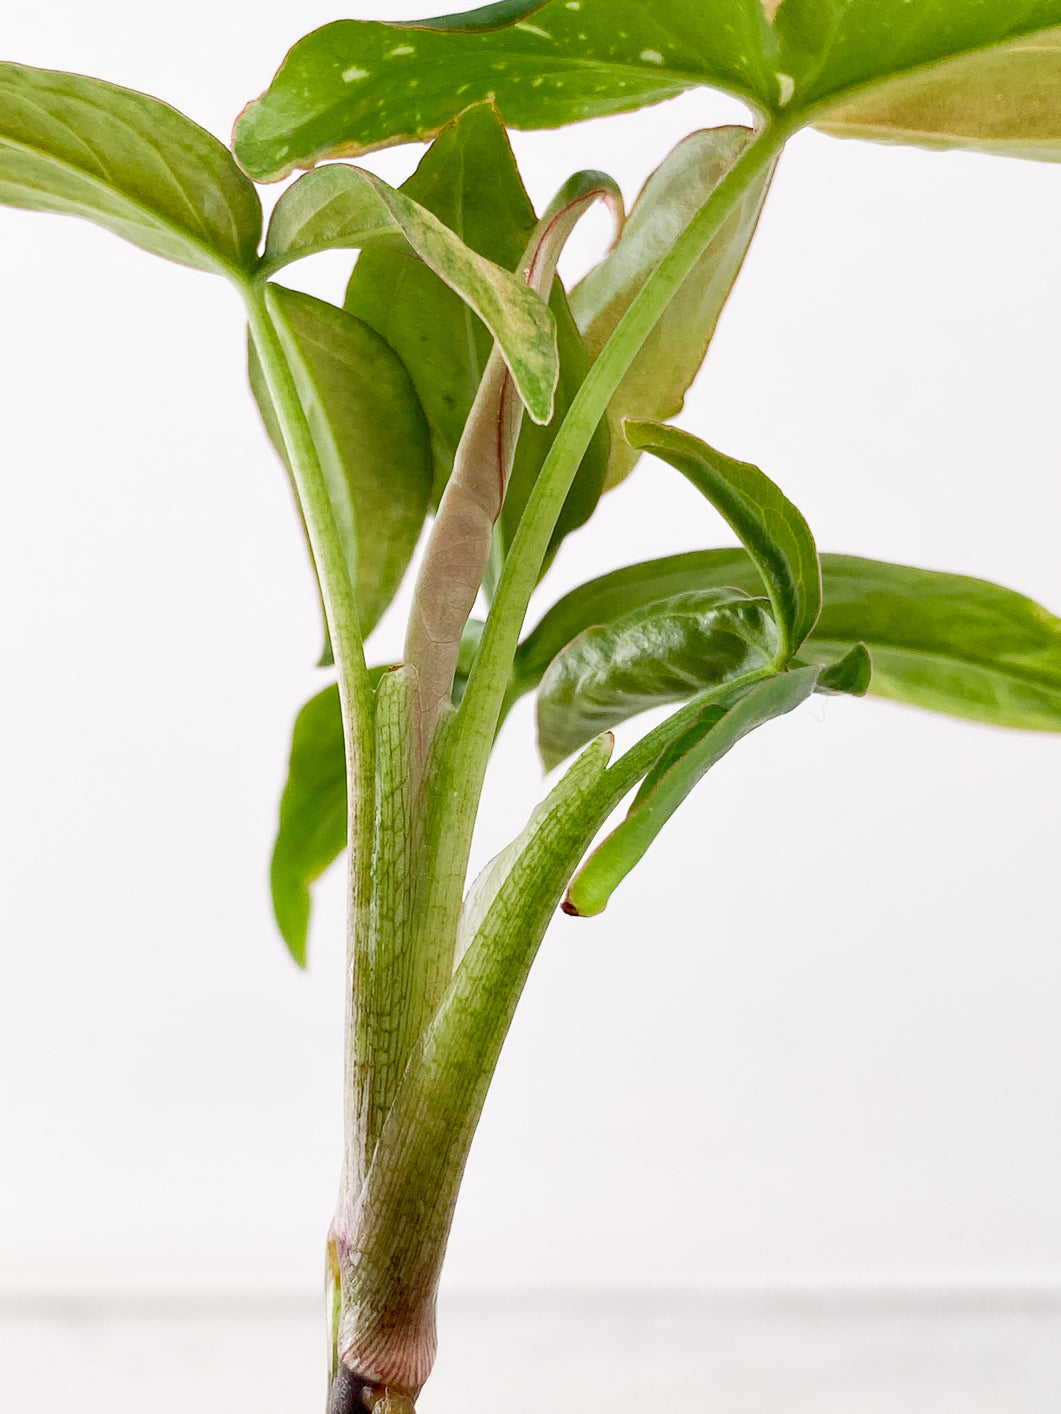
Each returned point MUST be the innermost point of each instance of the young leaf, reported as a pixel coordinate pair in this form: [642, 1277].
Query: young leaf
[945, 642]
[660, 375]
[469, 180]
[341, 207]
[767, 523]
[370, 434]
[685, 763]
[82, 147]
[358, 85]
[828, 52]
[664, 652]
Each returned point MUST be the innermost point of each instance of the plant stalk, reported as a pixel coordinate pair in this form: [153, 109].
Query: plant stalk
[461, 766]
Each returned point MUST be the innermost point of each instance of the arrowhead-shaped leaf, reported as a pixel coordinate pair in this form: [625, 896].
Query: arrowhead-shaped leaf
[660, 375]
[358, 85]
[663, 652]
[370, 434]
[686, 761]
[770, 527]
[341, 207]
[82, 147]
[945, 642]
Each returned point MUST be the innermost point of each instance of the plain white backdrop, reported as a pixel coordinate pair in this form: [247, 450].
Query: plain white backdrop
[813, 1040]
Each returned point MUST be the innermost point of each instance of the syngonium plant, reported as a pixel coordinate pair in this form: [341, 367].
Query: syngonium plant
[461, 383]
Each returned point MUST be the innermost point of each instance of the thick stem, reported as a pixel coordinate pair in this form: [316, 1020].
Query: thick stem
[278, 359]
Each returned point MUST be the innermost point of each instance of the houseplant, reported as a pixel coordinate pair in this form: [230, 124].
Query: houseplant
[576, 683]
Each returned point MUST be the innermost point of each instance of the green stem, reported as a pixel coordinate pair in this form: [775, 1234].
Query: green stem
[340, 608]
[462, 764]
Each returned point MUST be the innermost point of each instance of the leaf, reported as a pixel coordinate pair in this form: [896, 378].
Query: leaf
[851, 674]
[684, 764]
[663, 652]
[828, 50]
[81, 147]
[358, 85]
[469, 180]
[355, 85]
[313, 822]
[341, 207]
[656, 383]
[370, 434]
[313, 811]
[766, 522]
[944, 642]
[1007, 101]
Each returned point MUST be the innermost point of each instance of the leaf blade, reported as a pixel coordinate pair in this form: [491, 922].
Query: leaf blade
[78, 146]
[371, 435]
[663, 652]
[769, 526]
[341, 207]
[942, 642]
[655, 385]
[681, 768]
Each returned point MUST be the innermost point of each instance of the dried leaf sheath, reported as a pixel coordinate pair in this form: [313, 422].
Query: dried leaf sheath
[458, 549]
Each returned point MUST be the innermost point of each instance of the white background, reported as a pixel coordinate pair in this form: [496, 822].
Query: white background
[814, 1040]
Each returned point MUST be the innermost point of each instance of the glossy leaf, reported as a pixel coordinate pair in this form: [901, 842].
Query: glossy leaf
[667, 363]
[81, 147]
[944, 642]
[469, 180]
[851, 674]
[663, 652]
[682, 766]
[358, 85]
[370, 433]
[341, 207]
[767, 523]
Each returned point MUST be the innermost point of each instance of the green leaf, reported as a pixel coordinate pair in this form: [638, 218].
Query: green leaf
[1005, 101]
[829, 50]
[851, 674]
[341, 207]
[766, 522]
[945, 642]
[81, 147]
[663, 652]
[469, 180]
[681, 766]
[656, 383]
[313, 822]
[370, 433]
[313, 813]
[988, 67]
[358, 85]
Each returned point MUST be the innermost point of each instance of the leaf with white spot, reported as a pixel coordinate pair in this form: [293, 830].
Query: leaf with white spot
[949, 72]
